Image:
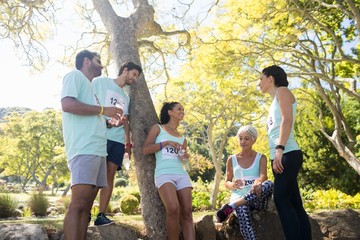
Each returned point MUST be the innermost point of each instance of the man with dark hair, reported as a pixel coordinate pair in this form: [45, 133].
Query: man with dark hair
[84, 132]
[111, 92]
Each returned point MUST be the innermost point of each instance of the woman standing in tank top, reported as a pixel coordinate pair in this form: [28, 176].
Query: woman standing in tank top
[171, 179]
[246, 177]
[285, 155]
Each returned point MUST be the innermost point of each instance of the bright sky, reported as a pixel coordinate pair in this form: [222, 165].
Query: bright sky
[21, 88]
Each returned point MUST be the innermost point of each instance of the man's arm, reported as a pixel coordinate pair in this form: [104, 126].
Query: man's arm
[72, 105]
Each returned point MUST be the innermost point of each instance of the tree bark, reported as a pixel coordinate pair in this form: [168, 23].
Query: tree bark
[124, 33]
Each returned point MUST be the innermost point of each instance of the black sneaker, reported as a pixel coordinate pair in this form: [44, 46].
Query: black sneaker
[102, 220]
[223, 213]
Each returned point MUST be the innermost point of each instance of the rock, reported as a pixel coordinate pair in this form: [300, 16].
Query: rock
[328, 225]
[22, 232]
[339, 224]
[267, 226]
[117, 231]
[205, 228]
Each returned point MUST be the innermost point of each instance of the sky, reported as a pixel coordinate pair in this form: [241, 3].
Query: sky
[19, 87]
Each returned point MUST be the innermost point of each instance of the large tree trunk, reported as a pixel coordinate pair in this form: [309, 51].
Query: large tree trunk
[123, 34]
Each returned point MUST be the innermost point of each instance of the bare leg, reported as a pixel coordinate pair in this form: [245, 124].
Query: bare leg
[186, 218]
[169, 198]
[77, 216]
[105, 193]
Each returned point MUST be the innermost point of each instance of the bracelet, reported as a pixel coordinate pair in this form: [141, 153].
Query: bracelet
[128, 145]
[102, 110]
[280, 146]
[160, 145]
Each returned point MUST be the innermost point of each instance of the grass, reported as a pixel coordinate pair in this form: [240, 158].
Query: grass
[56, 222]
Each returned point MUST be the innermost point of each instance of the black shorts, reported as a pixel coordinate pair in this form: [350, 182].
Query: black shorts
[115, 152]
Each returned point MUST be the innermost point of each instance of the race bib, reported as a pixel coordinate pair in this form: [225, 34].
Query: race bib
[113, 98]
[169, 152]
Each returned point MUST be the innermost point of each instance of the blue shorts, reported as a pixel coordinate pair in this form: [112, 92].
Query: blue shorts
[115, 151]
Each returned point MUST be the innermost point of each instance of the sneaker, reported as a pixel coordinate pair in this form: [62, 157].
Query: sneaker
[223, 213]
[102, 220]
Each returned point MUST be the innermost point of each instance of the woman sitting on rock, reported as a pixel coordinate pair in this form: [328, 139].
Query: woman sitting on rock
[246, 177]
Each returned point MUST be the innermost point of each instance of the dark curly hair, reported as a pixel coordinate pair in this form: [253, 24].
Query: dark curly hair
[164, 115]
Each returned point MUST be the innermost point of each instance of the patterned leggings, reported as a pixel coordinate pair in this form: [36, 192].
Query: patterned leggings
[253, 203]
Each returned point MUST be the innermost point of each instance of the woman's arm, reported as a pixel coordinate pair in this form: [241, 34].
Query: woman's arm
[285, 99]
[263, 170]
[229, 184]
[256, 187]
[149, 146]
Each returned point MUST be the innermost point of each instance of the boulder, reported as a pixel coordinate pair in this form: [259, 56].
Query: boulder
[339, 224]
[205, 228]
[22, 232]
[267, 226]
[327, 225]
[117, 231]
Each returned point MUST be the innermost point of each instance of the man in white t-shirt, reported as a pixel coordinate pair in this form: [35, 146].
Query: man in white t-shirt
[111, 93]
[84, 131]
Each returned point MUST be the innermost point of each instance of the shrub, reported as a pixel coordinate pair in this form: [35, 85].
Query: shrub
[330, 199]
[136, 194]
[26, 212]
[63, 204]
[38, 203]
[8, 206]
[201, 196]
[129, 204]
[119, 192]
[121, 182]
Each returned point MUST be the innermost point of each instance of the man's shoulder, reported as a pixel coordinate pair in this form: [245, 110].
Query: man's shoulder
[101, 79]
[75, 74]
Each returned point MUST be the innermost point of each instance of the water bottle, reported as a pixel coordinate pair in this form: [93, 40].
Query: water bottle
[184, 160]
[239, 178]
[126, 161]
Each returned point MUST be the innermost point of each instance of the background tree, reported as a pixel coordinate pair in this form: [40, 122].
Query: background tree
[125, 34]
[28, 24]
[37, 140]
[309, 39]
[322, 168]
[216, 102]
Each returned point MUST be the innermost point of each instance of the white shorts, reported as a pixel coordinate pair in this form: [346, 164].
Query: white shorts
[180, 181]
[88, 169]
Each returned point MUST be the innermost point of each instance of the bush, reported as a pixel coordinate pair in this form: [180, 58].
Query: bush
[64, 202]
[201, 196]
[119, 192]
[8, 206]
[330, 199]
[136, 194]
[129, 204]
[121, 182]
[38, 203]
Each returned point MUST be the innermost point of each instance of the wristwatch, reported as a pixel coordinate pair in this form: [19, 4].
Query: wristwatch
[108, 125]
[280, 146]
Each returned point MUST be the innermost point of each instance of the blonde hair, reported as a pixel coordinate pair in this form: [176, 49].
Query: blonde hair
[249, 129]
